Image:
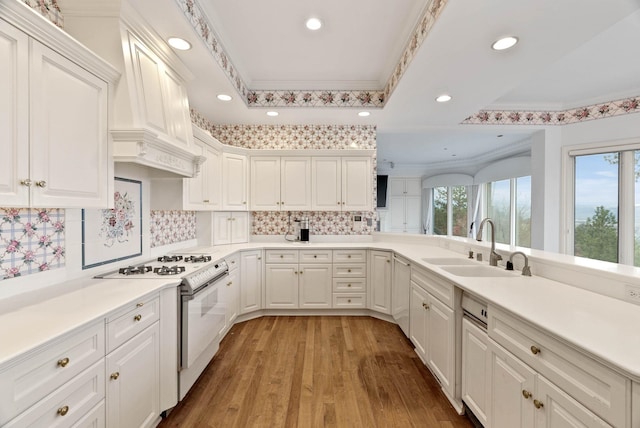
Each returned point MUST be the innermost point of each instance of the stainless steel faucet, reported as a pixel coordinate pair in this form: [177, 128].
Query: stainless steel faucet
[526, 270]
[493, 257]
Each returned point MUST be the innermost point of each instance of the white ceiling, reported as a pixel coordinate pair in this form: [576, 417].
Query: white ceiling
[571, 53]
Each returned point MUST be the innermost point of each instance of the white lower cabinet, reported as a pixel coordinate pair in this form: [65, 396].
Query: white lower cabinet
[281, 286]
[315, 284]
[475, 373]
[250, 281]
[432, 331]
[380, 281]
[400, 292]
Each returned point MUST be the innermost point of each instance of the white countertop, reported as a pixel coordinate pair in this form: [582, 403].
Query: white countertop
[602, 326]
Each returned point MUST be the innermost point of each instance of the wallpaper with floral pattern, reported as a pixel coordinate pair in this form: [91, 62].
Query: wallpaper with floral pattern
[169, 227]
[31, 241]
[373, 97]
[292, 137]
[49, 9]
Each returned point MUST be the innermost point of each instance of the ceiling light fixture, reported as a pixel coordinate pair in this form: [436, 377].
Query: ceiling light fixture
[313, 24]
[504, 43]
[272, 113]
[224, 97]
[443, 98]
[178, 43]
[364, 114]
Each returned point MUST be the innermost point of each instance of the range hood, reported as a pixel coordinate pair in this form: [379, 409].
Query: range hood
[149, 109]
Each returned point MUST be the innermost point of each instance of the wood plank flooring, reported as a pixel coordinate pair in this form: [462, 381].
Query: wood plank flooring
[315, 372]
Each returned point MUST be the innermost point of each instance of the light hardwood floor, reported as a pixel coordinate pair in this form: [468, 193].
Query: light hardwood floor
[315, 372]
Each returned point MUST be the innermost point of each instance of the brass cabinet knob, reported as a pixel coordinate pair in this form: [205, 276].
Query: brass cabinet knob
[63, 362]
[538, 404]
[295, 272]
[526, 394]
[27, 182]
[63, 410]
[206, 201]
[137, 317]
[244, 202]
[388, 261]
[139, 305]
[315, 256]
[229, 283]
[301, 272]
[281, 256]
[348, 285]
[41, 183]
[348, 300]
[535, 350]
[349, 270]
[277, 203]
[349, 256]
[425, 305]
[115, 375]
[259, 258]
[282, 202]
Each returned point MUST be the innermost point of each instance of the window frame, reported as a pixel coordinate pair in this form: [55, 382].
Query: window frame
[512, 207]
[626, 194]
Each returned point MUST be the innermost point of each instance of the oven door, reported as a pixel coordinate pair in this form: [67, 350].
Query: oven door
[203, 317]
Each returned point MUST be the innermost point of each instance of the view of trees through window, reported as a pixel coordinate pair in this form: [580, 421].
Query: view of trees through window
[523, 211]
[440, 211]
[459, 210]
[499, 208]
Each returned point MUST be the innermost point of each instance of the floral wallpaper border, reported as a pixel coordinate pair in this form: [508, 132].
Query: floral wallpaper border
[31, 241]
[169, 227]
[562, 117]
[309, 98]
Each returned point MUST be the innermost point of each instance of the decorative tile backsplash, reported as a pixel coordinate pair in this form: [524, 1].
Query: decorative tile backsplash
[320, 222]
[49, 9]
[169, 227]
[31, 241]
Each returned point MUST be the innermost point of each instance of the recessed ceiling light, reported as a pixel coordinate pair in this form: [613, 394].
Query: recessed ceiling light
[224, 97]
[313, 24]
[272, 113]
[504, 43]
[178, 43]
[364, 114]
[443, 98]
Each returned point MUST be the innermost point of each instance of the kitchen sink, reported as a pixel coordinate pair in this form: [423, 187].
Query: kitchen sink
[450, 261]
[478, 271]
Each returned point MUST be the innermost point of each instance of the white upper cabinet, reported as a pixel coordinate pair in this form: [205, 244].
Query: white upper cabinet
[341, 183]
[53, 109]
[405, 202]
[280, 183]
[234, 182]
[204, 192]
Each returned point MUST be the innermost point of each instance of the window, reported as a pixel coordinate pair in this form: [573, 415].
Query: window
[450, 211]
[508, 204]
[603, 200]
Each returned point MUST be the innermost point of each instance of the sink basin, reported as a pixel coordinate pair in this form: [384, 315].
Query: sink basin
[478, 271]
[450, 261]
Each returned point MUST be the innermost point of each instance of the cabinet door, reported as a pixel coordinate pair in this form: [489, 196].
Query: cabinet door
[475, 376]
[380, 282]
[559, 410]
[233, 298]
[357, 189]
[177, 108]
[14, 116]
[133, 381]
[401, 291]
[250, 281]
[441, 343]
[511, 391]
[281, 286]
[193, 189]
[265, 183]
[418, 320]
[234, 182]
[413, 186]
[221, 228]
[315, 285]
[396, 187]
[413, 214]
[326, 184]
[239, 227]
[211, 178]
[68, 122]
[295, 183]
[396, 216]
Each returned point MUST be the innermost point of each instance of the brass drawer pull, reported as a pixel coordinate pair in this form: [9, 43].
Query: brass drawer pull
[538, 404]
[425, 305]
[137, 317]
[348, 300]
[535, 350]
[63, 410]
[63, 362]
[526, 394]
[115, 375]
[229, 283]
[348, 285]
[349, 270]
[139, 305]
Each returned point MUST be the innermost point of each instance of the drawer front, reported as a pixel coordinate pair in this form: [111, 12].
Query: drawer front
[349, 256]
[28, 380]
[68, 404]
[315, 256]
[281, 256]
[600, 389]
[355, 300]
[436, 286]
[138, 317]
[352, 270]
[349, 285]
[233, 261]
[95, 418]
